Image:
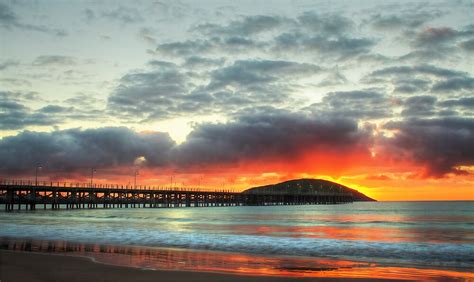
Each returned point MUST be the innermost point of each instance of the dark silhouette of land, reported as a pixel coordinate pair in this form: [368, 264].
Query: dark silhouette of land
[309, 186]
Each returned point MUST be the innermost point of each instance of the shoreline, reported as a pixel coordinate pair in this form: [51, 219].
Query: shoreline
[29, 266]
[38, 255]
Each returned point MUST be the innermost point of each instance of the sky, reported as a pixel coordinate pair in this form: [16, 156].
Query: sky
[376, 95]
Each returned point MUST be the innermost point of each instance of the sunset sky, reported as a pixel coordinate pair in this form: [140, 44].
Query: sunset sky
[376, 95]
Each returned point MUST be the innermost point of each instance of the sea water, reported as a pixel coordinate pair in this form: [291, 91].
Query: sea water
[422, 234]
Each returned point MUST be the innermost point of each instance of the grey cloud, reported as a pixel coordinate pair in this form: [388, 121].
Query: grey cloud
[362, 104]
[8, 63]
[421, 69]
[124, 15]
[258, 135]
[419, 106]
[439, 144]
[438, 43]
[454, 84]
[54, 60]
[397, 21]
[467, 102]
[7, 16]
[249, 25]
[14, 115]
[269, 134]
[89, 14]
[162, 64]
[54, 109]
[167, 91]
[327, 25]
[75, 149]
[143, 93]
[340, 47]
[434, 36]
[10, 20]
[254, 72]
[84, 100]
[335, 77]
[422, 78]
[148, 35]
[212, 45]
[428, 54]
[197, 62]
[468, 45]
[319, 35]
[15, 81]
[411, 85]
[185, 48]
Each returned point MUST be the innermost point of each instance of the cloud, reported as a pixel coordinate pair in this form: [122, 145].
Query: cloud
[419, 69]
[435, 35]
[422, 78]
[408, 20]
[335, 77]
[89, 14]
[8, 63]
[152, 94]
[75, 149]
[269, 134]
[7, 17]
[467, 102]
[248, 73]
[340, 47]
[468, 45]
[54, 60]
[14, 115]
[261, 134]
[454, 84]
[211, 45]
[438, 43]
[440, 144]
[327, 25]
[10, 20]
[202, 62]
[148, 35]
[419, 106]
[124, 15]
[249, 25]
[362, 104]
[320, 35]
[411, 85]
[167, 90]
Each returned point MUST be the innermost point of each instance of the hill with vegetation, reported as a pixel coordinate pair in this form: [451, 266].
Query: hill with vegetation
[309, 186]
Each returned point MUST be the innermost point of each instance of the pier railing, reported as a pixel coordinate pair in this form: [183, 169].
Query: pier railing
[63, 184]
[68, 195]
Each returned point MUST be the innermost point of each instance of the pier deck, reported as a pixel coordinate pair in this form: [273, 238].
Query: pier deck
[59, 195]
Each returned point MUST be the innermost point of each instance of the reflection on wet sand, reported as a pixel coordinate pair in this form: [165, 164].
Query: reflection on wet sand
[193, 260]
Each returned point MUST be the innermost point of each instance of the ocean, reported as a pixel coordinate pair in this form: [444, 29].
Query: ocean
[362, 239]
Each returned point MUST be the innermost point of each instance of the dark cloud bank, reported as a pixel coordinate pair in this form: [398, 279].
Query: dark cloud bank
[260, 135]
[439, 145]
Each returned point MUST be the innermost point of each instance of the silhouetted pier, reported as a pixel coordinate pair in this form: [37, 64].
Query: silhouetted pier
[18, 194]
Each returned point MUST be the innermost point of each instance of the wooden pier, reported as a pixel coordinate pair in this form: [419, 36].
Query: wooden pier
[18, 194]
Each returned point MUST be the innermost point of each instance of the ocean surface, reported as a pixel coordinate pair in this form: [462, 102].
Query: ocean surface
[422, 235]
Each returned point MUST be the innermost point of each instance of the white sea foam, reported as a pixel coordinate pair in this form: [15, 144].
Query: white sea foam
[186, 228]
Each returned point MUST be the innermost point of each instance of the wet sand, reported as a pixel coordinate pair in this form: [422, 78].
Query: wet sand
[26, 266]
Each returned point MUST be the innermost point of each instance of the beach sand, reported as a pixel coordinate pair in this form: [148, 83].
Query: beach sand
[26, 266]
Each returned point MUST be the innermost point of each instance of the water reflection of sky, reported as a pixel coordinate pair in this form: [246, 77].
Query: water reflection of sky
[433, 232]
[236, 263]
